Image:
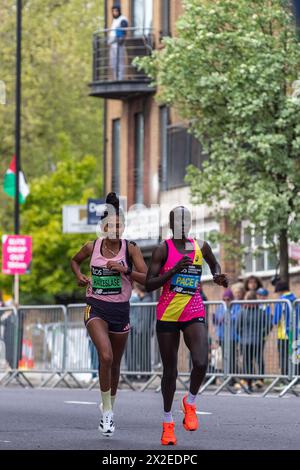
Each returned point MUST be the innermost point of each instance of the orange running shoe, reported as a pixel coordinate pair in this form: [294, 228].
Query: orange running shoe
[168, 437]
[190, 420]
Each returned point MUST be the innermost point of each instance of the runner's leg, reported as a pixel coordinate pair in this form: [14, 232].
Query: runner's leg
[168, 346]
[118, 344]
[196, 339]
[98, 331]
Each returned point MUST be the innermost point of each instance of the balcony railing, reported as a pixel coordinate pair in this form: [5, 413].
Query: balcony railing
[114, 74]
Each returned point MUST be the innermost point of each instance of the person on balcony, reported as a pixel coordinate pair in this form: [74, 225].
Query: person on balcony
[116, 41]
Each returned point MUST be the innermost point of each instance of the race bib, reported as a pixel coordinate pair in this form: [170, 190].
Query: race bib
[187, 281]
[105, 281]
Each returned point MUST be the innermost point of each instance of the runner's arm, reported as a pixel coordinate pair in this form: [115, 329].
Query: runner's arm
[154, 279]
[215, 268]
[84, 253]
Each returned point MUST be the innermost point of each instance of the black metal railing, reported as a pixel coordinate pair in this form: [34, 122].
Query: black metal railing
[114, 56]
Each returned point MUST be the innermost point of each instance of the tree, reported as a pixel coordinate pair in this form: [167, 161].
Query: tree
[57, 114]
[73, 182]
[230, 73]
[56, 70]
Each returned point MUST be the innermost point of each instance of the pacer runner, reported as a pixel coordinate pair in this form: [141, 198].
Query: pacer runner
[176, 265]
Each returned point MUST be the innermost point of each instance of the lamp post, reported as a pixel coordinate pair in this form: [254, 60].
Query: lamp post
[18, 134]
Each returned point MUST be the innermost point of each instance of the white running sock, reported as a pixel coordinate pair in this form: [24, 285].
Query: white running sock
[168, 418]
[112, 398]
[106, 401]
[191, 399]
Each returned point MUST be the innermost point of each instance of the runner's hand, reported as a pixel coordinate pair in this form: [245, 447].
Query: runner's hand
[82, 280]
[183, 263]
[221, 280]
[115, 266]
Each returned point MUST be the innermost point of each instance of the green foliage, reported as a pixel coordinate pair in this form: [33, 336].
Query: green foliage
[56, 70]
[229, 72]
[61, 129]
[73, 182]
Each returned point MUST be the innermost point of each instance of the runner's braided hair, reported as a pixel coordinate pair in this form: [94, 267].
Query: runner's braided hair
[113, 207]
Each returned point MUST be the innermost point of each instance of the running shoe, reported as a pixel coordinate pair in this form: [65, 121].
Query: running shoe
[108, 426]
[168, 437]
[101, 420]
[190, 420]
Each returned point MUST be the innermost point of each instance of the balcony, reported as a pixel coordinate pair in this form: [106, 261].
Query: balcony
[114, 75]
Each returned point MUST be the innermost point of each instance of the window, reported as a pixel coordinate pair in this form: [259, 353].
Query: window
[139, 158]
[142, 15]
[116, 156]
[183, 149]
[165, 17]
[164, 122]
[258, 256]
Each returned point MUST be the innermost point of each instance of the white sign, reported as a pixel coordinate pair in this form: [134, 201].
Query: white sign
[75, 220]
[142, 223]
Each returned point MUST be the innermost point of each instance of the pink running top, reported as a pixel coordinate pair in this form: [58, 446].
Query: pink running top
[105, 284]
[181, 299]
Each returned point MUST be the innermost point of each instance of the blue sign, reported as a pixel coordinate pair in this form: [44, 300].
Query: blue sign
[95, 209]
[297, 11]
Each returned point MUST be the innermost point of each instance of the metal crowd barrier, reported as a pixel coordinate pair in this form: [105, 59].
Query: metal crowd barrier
[141, 361]
[294, 348]
[81, 355]
[138, 361]
[41, 342]
[246, 343]
[216, 362]
[8, 342]
[258, 338]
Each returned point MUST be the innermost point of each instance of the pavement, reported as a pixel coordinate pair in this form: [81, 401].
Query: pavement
[63, 419]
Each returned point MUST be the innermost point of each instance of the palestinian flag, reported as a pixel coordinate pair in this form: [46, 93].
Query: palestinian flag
[9, 185]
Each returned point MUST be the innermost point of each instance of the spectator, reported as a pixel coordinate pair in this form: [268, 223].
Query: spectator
[219, 318]
[262, 293]
[238, 294]
[238, 291]
[116, 41]
[265, 310]
[235, 309]
[282, 320]
[252, 283]
[252, 325]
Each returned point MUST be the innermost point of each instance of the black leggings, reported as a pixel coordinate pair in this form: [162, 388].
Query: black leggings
[196, 339]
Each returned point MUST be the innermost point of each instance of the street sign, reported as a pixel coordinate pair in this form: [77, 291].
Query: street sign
[75, 220]
[16, 254]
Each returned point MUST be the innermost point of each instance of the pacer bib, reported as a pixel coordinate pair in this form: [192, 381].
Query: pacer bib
[181, 298]
[105, 281]
[187, 281]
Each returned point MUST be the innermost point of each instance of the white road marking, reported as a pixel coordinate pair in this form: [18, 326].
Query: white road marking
[81, 402]
[6, 442]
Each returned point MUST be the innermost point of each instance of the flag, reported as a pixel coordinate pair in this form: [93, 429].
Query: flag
[9, 185]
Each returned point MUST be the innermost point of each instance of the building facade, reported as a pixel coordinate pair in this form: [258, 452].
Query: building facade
[147, 147]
